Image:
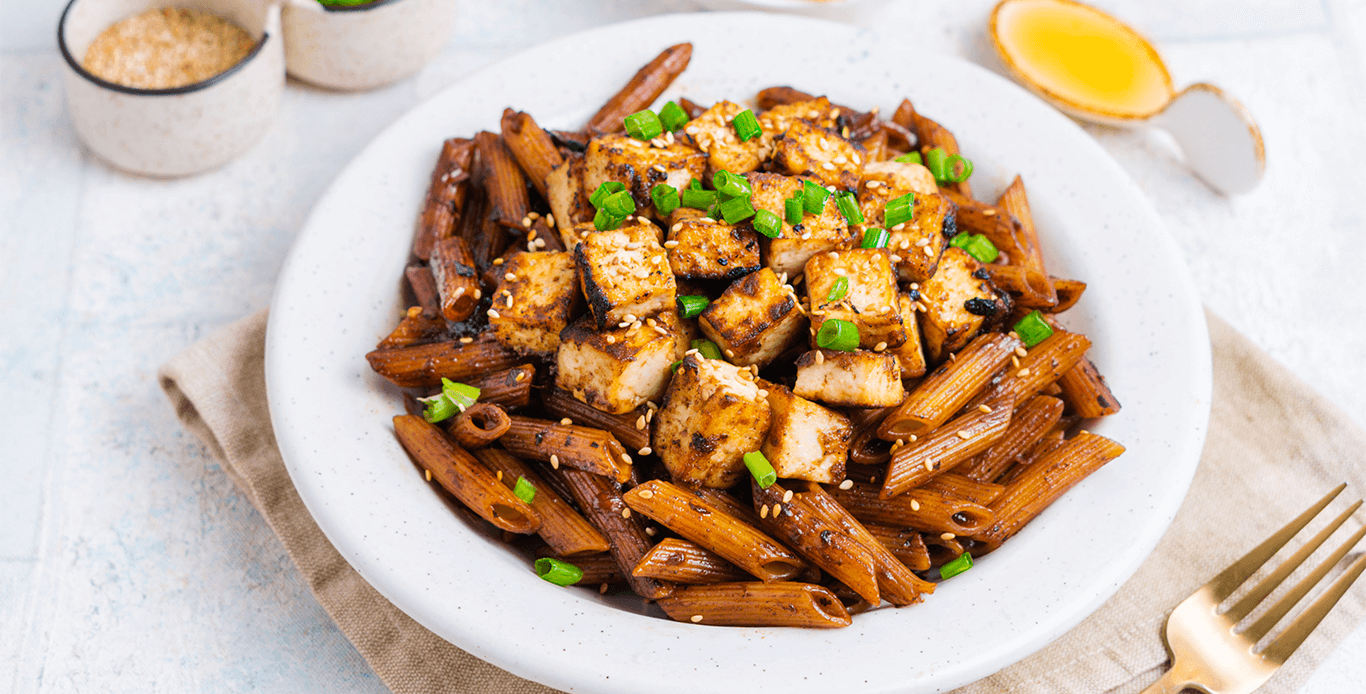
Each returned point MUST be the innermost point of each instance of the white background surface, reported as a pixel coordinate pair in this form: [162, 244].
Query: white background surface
[128, 562]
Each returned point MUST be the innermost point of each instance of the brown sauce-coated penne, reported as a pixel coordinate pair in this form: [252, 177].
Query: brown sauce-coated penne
[1068, 291]
[507, 388]
[953, 486]
[425, 365]
[592, 450]
[600, 500]
[445, 195]
[631, 429]
[1027, 426]
[416, 328]
[453, 271]
[895, 581]
[799, 525]
[778, 96]
[463, 476]
[945, 447]
[479, 425]
[685, 562]
[905, 544]
[1015, 202]
[1028, 287]
[944, 392]
[567, 532]
[757, 604]
[424, 288]
[724, 500]
[921, 509]
[930, 135]
[711, 527]
[504, 183]
[646, 86]
[1044, 363]
[533, 149]
[598, 569]
[1086, 393]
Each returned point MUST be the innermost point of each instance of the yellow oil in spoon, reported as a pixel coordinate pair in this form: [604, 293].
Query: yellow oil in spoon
[1081, 57]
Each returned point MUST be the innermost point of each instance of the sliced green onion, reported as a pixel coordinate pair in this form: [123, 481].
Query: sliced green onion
[731, 185]
[762, 470]
[746, 125]
[439, 408]
[899, 210]
[707, 348]
[952, 164]
[839, 335]
[910, 158]
[606, 221]
[814, 197]
[875, 238]
[1033, 329]
[459, 393]
[937, 162]
[619, 204]
[604, 190]
[524, 490]
[644, 125]
[695, 184]
[673, 117]
[767, 223]
[848, 206]
[736, 210]
[692, 306]
[561, 573]
[977, 246]
[699, 199]
[956, 566]
[665, 199]
[793, 209]
[674, 366]
[838, 290]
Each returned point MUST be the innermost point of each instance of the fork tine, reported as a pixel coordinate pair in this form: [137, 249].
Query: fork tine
[1264, 624]
[1229, 579]
[1249, 602]
[1299, 630]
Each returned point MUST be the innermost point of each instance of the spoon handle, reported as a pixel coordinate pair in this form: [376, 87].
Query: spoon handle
[1221, 142]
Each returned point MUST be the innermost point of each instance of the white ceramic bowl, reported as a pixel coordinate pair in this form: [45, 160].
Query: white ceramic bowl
[364, 46]
[339, 294]
[185, 130]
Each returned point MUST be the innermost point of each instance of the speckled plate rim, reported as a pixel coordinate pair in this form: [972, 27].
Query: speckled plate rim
[338, 294]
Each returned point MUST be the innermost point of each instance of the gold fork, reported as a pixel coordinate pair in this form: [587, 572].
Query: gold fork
[1210, 655]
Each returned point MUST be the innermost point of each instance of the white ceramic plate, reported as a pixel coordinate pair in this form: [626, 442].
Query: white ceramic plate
[339, 294]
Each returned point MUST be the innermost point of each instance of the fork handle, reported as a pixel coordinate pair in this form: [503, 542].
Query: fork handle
[1171, 682]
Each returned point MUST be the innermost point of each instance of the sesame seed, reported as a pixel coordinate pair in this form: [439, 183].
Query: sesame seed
[900, 442]
[671, 244]
[691, 351]
[1015, 361]
[640, 422]
[880, 347]
[989, 212]
[531, 235]
[894, 259]
[624, 324]
[1023, 372]
[841, 159]
[526, 221]
[763, 393]
[806, 236]
[478, 294]
[929, 466]
[730, 353]
[820, 357]
[625, 458]
[787, 496]
[655, 259]
[915, 505]
[691, 130]
[947, 536]
[887, 309]
[874, 184]
[509, 302]
[459, 291]
[828, 166]
[493, 313]
[696, 618]
[611, 339]
[646, 494]
[566, 421]
[984, 409]
[500, 476]
[626, 513]
[1021, 352]
[550, 220]
[645, 451]
[929, 252]
[642, 273]
[521, 375]
[602, 589]
[651, 532]
[709, 220]
[555, 462]
[847, 484]
[964, 435]
[429, 476]
[763, 511]
[777, 508]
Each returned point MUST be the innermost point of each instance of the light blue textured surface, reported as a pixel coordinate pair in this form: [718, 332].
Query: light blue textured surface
[128, 562]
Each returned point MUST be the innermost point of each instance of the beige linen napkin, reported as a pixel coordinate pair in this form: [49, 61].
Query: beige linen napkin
[1274, 446]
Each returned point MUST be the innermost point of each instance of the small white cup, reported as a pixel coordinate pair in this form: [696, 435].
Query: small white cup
[180, 131]
[365, 46]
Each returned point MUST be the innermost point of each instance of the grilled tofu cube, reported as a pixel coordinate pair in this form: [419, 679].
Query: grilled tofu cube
[619, 369]
[796, 244]
[870, 299]
[712, 250]
[818, 112]
[713, 133]
[917, 244]
[805, 441]
[910, 354]
[905, 176]
[807, 150]
[849, 379]
[641, 165]
[624, 274]
[956, 303]
[713, 414]
[754, 320]
[536, 297]
[568, 200]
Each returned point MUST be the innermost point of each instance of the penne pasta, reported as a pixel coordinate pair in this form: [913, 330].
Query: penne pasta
[711, 527]
[1068, 291]
[445, 196]
[631, 429]
[680, 561]
[905, 544]
[479, 425]
[800, 525]
[919, 509]
[944, 549]
[949, 387]
[865, 448]
[895, 581]
[945, 447]
[757, 604]
[504, 183]
[420, 366]
[1044, 363]
[778, 96]
[930, 135]
[591, 450]
[457, 283]
[1015, 202]
[952, 486]
[729, 503]
[533, 149]
[463, 476]
[1028, 287]
[646, 86]
[1043, 481]
[567, 532]
[422, 285]
[415, 328]
[600, 500]
[1085, 392]
[1027, 426]
[508, 388]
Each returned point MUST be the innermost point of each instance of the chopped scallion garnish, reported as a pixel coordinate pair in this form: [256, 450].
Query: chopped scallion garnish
[910, 158]
[673, 117]
[814, 197]
[956, 566]
[838, 290]
[746, 125]
[1033, 329]
[524, 490]
[953, 174]
[767, 223]
[561, 573]
[937, 162]
[604, 190]
[439, 408]
[793, 209]
[665, 198]
[875, 238]
[899, 210]
[695, 184]
[762, 470]
[459, 393]
[731, 185]
[692, 306]
[644, 125]
[707, 348]
[839, 335]
[606, 221]
[977, 246]
[848, 206]
[736, 210]
[619, 204]
[699, 199]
